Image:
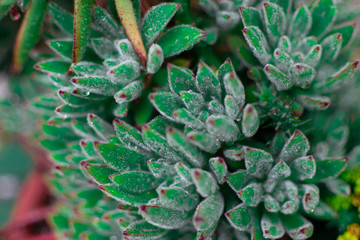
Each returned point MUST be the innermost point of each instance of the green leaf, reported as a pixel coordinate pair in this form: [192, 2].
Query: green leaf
[311, 197]
[250, 17]
[238, 180]
[347, 32]
[103, 47]
[180, 79]
[296, 146]
[158, 144]
[258, 44]
[227, 19]
[119, 157]
[207, 82]
[156, 20]
[204, 141]
[303, 168]
[242, 50]
[135, 181]
[205, 183]
[323, 16]
[231, 107]
[235, 88]
[219, 167]
[29, 33]
[102, 128]
[99, 173]
[250, 121]
[62, 19]
[329, 168]
[141, 229]
[251, 194]
[278, 142]
[133, 199]
[301, 23]
[183, 171]
[271, 226]
[179, 39]
[278, 78]
[126, 71]
[235, 154]
[315, 102]
[239, 217]
[275, 21]
[282, 59]
[314, 55]
[271, 204]
[61, 47]
[184, 116]
[331, 46]
[223, 128]
[106, 24]
[290, 206]
[302, 74]
[53, 67]
[208, 212]
[98, 85]
[177, 198]
[164, 218]
[155, 58]
[129, 93]
[82, 19]
[257, 162]
[323, 212]
[166, 103]
[128, 134]
[178, 142]
[72, 99]
[297, 227]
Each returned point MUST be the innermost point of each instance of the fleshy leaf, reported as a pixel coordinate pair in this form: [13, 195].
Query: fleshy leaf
[156, 20]
[257, 162]
[297, 227]
[271, 226]
[205, 183]
[179, 39]
[323, 15]
[297, 146]
[278, 78]
[239, 217]
[258, 44]
[250, 121]
[219, 167]
[139, 230]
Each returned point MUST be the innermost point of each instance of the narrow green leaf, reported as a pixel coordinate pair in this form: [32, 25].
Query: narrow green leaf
[223, 128]
[156, 20]
[205, 183]
[250, 121]
[301, 23]
[275, 21]
[297, 227]
[278, 78]
[28, 34]
[323, 16]
[141, 229]
[297, 146]
[258, 44]
[271, 226]
[135, 181]
[62, 19]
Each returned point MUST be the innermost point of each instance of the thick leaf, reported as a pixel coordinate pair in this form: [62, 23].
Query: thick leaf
[62, 19]
[239, 217]
[302, 74]
[141, 229]
[100, 126]
[271, 226]
[347, 33]
[177, 198]
[301, 23]
[166, 103]
[258, 44]
[208, 212]
[328, 169]
[315, 102]
[278, 78]
[99, 173]
[135, 181]
[129, 93]
[180, 79]
[62, 47]
[156, 20]
[207, 82]
[323, 16]
[119, 157]
[205, 183]
[275, 21]
[126, 13]
[133, 199]
[303, 168]
[98, 85]
[311, 197]
[297, 227]
[162, 217]
[238, 180]
[257, 162]
[82, 19]
[250, 121]
[106, 24]
[223, 128]
[235, 88]
[250, 17]
[155, 58]
[204, 141]
[297, 146]
[219, 167]
[251, 194]
[29, 33]
[179, 39]
[179, 143]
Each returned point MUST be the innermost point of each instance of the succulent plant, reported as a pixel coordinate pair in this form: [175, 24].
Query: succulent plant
[143, 148]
